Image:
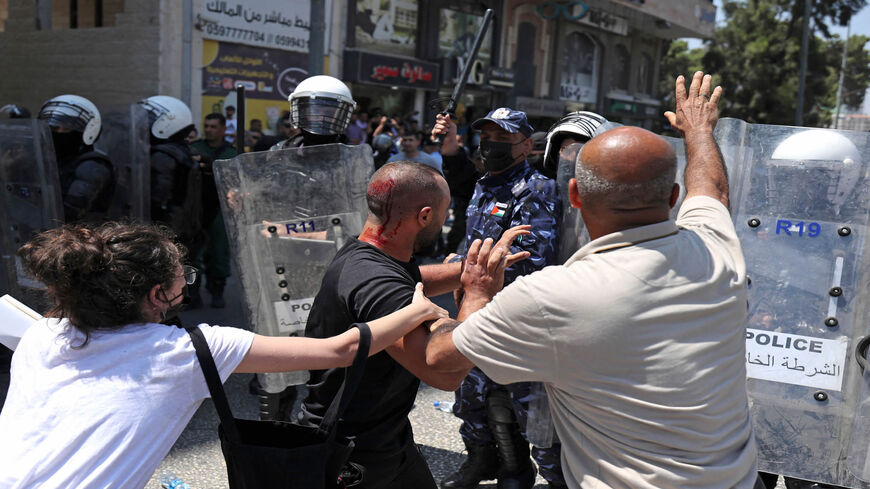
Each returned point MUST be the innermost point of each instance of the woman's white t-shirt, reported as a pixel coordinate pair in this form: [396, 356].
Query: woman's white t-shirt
[104, 415]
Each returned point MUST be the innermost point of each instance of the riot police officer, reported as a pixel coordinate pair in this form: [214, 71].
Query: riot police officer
[12, 111]
[86, 175]
[510, 193]
[321, 107]
[176, 181]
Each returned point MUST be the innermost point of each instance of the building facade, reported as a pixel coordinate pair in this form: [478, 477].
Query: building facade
[398, 56]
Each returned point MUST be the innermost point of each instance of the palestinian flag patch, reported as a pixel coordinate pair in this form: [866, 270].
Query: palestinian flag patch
[498, 209]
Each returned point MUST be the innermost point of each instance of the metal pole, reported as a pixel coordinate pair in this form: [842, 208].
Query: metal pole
[240, 118]
[842, 74]
[186, 51]
[802, 78]
[317, 24]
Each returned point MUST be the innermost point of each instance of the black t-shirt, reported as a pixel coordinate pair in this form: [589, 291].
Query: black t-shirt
[362, 284]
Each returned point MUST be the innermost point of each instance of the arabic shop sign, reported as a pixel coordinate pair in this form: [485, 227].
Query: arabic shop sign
[794, 359]
[388, 70]
[278, 24]
[268, 74]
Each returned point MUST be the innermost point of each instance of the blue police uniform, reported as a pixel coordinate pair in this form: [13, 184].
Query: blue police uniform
[519, 195]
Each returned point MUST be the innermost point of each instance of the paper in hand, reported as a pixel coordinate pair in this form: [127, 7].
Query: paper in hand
[15, 318]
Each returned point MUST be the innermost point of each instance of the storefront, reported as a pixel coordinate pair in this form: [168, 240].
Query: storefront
[382, 57]
[262, 45]
[389, 85]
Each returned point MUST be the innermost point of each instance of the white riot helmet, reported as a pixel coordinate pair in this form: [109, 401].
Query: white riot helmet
[321, 105]
[167, 116]
[827, 150]
[74, 113]
[579, 125]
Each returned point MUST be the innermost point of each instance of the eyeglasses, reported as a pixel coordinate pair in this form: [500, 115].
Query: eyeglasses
[189, 274]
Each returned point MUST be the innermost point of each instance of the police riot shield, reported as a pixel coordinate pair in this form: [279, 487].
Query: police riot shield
[31, 201]
[287, 213]
[125, 139]
[800, 207]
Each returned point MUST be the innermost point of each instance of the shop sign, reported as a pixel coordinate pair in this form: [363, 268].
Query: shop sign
[278, 24]
[501, 77]
[632, 108]
[605, 21]
[265, 73]
[391, 71]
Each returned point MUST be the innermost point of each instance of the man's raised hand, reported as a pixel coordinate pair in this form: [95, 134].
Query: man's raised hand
[697, 111]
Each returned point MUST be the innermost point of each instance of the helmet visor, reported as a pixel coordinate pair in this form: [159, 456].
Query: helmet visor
[323, 116]
[59, 113]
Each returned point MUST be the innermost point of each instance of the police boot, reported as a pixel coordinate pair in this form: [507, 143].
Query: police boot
[517, 470]
[215, 287]
[481, 465]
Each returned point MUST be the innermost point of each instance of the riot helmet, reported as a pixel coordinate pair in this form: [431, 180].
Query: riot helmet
[819, 168]
[168, 117]
[12, 111]
[73, 113]
[321, 105]
[579, 125]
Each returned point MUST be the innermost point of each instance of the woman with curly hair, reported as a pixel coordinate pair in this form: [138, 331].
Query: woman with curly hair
[100, 390]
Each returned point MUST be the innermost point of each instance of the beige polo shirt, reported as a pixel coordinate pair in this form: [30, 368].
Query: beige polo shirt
[639, 338]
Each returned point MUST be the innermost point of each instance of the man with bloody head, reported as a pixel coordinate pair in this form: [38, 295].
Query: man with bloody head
[371, 276]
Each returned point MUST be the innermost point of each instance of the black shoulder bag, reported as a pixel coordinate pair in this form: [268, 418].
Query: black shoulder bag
[277, 454]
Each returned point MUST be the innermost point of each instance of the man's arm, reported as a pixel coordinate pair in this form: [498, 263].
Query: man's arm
[482, 278]
[445, 277]
[696, 117]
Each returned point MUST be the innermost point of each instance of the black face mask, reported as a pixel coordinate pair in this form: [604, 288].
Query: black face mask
[173, 310]
[496, 155]
[66, 144]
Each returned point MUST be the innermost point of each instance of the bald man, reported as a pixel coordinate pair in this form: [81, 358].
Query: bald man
[639, 336]
[370, 277]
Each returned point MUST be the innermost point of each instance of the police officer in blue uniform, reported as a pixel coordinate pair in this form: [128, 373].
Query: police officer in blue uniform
[510, 193]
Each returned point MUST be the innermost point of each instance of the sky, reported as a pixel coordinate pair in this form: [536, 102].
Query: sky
[860, 25]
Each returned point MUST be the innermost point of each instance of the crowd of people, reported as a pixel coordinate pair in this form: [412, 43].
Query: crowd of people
[636, 342]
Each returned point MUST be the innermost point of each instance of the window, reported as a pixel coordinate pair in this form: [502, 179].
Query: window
[621, 68]
[579, 80]
[645, 74]
[84, 14]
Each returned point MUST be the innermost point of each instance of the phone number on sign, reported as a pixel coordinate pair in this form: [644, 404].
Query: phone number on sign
[234, 33]
[227, 32]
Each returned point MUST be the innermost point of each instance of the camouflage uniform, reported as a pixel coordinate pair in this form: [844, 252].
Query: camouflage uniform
[519, 195]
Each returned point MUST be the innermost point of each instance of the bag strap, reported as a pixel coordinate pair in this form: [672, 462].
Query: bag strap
[352, 378]
[215, 386]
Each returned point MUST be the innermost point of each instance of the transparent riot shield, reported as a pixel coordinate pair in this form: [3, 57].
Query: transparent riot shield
[31, 201]
[800, 207]
[573, 234]
[125, 139]
[287, 213]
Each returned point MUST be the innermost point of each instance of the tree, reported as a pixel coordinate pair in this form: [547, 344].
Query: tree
[756, 57]
[857, 69]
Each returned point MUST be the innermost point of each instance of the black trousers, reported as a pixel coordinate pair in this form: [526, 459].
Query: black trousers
[407, 469]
